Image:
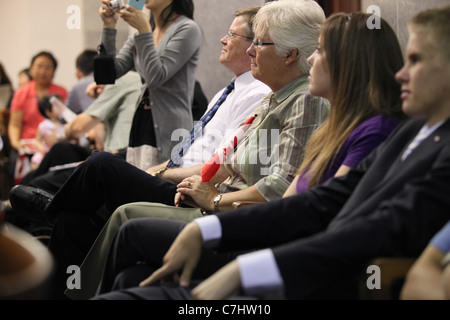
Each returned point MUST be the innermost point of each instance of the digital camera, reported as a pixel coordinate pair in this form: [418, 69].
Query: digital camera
[116, 4]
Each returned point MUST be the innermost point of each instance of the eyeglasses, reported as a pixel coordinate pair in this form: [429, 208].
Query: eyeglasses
[231, 35]
[259, 44]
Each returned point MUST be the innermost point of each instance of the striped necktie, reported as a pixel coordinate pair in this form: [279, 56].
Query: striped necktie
[180, 149]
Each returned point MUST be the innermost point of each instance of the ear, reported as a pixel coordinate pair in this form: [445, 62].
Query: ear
[292, 56]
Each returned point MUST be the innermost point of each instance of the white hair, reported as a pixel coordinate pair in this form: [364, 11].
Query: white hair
[291, 24]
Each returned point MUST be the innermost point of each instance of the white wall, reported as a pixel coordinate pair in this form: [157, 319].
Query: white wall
[29, 26]
[399, 12]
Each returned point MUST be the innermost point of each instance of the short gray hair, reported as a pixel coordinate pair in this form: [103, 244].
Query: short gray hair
[292, 24]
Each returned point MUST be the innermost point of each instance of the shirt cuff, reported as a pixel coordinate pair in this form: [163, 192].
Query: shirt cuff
[260, 275]
[211, 230]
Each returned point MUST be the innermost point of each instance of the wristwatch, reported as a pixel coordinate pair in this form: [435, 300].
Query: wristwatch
[216, 202]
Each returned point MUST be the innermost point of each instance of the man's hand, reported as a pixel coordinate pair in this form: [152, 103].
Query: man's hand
[221, 285]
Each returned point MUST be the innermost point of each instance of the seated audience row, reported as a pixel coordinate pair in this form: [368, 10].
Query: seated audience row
[338, 192]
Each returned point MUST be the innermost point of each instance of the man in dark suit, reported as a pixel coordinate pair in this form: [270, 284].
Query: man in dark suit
[320, 241]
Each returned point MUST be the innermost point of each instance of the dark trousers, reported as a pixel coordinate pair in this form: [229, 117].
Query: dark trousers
[61, 153]
[86, 200]
[138, 250]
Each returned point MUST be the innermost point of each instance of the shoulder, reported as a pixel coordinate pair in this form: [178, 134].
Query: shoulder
[57, 89]
[186, 22]
[186, 27]
[85, 81]
[21, 95]
[378, 125]
[248, 86]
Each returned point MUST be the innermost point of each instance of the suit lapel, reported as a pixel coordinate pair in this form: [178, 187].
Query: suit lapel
[432, 144]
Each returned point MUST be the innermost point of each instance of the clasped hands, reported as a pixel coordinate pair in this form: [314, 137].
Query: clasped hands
[184, 255]
[196, 193]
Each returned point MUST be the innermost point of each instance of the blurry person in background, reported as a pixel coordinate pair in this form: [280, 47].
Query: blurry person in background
[25, 116]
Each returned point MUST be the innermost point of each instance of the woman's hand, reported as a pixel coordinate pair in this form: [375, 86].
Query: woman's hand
[136, 18]
[109, 17]
[202, 193]
[183, 254]
[221, 285]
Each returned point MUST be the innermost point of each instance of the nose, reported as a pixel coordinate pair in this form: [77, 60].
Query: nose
[251, 50]
[402, 75]
[224, 40]
[311, 58]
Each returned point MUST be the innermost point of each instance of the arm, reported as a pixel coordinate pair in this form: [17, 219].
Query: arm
[292, 189]
[14, 129]
[81, 125]
[296, 124]
[177, 175]
[109, 18]
[446, 280]
[38, 142]
[424, 279]
[203, 194]
[160, 67]
[97, 134]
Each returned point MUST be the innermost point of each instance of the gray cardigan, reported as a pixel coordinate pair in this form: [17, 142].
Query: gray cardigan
[168, 71]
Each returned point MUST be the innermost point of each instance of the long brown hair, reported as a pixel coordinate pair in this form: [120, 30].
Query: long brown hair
[362, 64]
[181, 7]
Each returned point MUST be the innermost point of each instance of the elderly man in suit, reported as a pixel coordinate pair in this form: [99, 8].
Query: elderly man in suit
[319, 242]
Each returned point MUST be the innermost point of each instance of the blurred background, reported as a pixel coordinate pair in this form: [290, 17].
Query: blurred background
[67, 27]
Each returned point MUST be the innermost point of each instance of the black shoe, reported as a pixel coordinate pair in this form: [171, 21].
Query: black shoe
[30, 203]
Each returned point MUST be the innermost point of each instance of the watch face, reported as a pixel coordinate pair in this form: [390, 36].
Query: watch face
[217, 198]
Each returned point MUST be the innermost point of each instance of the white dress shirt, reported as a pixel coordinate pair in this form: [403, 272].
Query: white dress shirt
[246, 96]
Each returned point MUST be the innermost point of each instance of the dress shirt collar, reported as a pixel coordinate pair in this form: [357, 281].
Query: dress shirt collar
[243, 80]
[290, 88]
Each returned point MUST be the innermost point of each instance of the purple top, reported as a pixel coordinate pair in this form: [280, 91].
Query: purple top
[366, 137]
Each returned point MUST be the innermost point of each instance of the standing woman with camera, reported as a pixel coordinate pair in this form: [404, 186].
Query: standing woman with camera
[164, 51]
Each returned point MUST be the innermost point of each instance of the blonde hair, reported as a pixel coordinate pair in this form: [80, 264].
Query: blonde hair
[434, 23]
[291, 24]
[249, 13]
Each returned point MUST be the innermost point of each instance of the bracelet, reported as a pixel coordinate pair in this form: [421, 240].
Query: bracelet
[160, 171]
